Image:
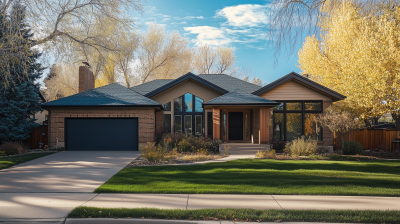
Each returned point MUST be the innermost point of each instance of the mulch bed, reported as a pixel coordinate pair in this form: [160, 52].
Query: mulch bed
[141, 161]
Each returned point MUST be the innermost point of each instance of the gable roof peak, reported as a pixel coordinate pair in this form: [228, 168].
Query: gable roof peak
[335, 96]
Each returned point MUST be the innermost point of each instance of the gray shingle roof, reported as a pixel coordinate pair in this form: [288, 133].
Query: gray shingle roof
[238, 98]
[109, 95]
[230, 83]
[147, 87]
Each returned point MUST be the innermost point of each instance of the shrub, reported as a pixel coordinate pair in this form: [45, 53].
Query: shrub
[301, 147]
[352, 148]
[13, 148]
[185, 146]
[2, 153]
[213, 146]
[152, 152]
[269, 153]
[322, 149]
[278, 145]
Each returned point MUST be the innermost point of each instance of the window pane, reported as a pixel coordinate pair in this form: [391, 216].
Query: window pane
[312, 129]
[167, 123]
[167, 106]
[178, 104]
[224, 126]
[188, 124]
[312, 106]
[178, 123]
[278, 127]
[199, 127]
[293, 126]
[293, 105]
[279, 107]
[188, 102]
[198, 106]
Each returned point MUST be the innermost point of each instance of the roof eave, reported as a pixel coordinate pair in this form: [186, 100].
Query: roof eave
[92, 106]
[241, 104]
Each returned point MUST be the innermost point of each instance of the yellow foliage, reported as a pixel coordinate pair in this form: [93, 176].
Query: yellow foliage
[357, 55]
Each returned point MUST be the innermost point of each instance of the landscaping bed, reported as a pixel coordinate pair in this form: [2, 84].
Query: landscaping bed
[242, 215]
[262, 176]
[177, 159]
[179, 148]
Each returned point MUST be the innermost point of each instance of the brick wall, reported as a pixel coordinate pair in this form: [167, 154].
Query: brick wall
[160, 121]
[86, 79]
[56, 121]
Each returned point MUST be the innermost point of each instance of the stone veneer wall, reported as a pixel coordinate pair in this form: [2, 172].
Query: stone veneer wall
[57, 116]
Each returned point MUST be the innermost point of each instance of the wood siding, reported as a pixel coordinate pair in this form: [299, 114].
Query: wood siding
[369, 139]
[293, 91]
[264, 127]
[40, 134]
[189, 86]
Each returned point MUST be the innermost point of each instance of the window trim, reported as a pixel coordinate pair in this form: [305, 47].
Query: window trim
[303, 112]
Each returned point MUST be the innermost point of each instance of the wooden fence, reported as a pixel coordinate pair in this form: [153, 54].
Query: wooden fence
[369, 139]
[40, 134]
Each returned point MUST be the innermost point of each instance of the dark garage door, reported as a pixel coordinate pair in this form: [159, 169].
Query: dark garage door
[101, 134]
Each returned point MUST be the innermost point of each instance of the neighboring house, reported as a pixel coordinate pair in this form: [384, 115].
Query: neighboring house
[41, 117]
[114, 117]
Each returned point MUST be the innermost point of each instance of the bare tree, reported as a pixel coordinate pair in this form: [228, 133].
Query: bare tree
[162, 55]
[291, 19]
[215, 60]
[61, 82]
[57, 23]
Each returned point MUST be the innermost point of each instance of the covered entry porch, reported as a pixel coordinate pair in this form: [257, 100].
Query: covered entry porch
[239, 117]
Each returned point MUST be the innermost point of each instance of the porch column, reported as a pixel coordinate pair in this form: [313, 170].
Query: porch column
[264, 125]
[216, 123]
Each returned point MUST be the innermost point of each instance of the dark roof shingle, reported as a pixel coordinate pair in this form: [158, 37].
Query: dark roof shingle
[147, 87]
[237, 98]
[230, 83]
[109, 95]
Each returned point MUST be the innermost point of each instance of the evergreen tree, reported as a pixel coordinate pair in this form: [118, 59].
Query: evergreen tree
[19, 100]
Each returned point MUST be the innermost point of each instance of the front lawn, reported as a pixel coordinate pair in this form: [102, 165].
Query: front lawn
[340, 216]
[8, 161]
[290, 177]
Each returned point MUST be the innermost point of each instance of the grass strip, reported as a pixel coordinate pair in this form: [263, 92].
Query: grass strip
[247, 176]
[341, 216]
[6, 162]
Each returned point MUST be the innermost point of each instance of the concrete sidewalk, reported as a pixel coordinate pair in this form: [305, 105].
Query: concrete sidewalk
[58, 205]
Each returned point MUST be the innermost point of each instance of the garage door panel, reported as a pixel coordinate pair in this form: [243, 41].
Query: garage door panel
[114, 134]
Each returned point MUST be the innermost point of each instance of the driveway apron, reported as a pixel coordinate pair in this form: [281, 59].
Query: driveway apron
[65, 172]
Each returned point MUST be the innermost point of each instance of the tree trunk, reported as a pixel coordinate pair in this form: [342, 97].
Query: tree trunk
[367, 123]
[396, 118]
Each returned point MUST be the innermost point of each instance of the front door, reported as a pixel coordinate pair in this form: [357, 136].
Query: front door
[235, 125]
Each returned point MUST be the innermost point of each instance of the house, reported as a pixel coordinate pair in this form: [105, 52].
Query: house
[218, 106]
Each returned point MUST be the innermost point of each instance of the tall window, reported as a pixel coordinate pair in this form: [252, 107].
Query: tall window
[188, 114]
[292, 119]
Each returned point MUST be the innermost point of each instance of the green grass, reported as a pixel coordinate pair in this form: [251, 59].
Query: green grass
[290, 177]
[6, 162]
[353, 216]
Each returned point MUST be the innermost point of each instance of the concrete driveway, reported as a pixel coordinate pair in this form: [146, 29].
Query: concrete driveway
[65, 172]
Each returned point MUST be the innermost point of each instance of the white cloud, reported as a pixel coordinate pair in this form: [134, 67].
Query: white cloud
[184, 22]
[244, 15]
[209, 35]
[194, 17]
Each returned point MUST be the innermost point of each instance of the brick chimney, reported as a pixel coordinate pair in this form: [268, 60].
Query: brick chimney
[86, 79]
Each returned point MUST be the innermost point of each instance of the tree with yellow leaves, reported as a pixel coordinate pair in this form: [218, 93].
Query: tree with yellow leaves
[358, 55]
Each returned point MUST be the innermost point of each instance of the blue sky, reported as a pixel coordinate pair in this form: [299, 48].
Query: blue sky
[225, 22]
